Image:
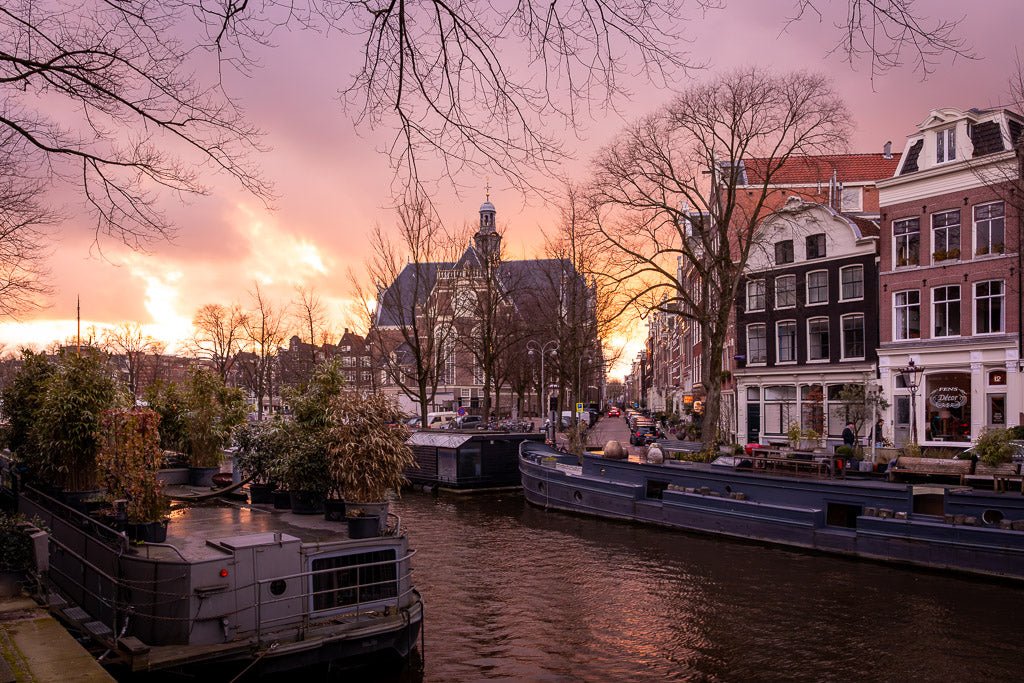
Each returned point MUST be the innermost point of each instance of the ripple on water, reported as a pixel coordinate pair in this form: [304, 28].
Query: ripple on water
[516, 593]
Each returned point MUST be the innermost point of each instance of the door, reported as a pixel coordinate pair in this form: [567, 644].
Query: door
[753, 423]
[901, 426]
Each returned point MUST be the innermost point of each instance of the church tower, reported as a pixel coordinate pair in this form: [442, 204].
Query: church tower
[487, 239]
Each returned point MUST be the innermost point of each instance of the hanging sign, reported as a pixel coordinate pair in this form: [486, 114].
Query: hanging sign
[948, 397]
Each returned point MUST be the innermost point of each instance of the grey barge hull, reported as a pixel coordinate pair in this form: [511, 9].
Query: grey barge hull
[858, 518]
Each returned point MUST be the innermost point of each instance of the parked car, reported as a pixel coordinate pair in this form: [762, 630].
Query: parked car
[469, 422]
[638, 437]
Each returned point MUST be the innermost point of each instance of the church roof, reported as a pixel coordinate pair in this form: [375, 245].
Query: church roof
[487, 206]
[405, 294]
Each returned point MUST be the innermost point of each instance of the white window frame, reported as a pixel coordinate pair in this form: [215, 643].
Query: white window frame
[974, 230]
[1002, 307]
[842, 336]
[947, 138]
[779, 306]
[807, 288]
[959, 300]
[778, 343]
[896, 318]
[750, 361]
[896, 241]
[947, 228]
[842, 270]
[828, 356]
[764, 297]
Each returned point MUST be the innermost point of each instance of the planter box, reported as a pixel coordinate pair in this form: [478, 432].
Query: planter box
[173, 477]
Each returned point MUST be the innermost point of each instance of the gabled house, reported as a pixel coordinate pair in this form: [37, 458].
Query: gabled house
[806, 321]
[951, 278]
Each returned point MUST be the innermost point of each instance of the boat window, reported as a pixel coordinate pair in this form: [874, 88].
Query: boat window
[655, 489]
[840, 514]
[356, 579]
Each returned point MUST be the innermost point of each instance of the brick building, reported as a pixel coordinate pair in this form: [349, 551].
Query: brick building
[950, 278]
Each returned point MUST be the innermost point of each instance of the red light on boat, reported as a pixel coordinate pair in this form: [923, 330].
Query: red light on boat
[223, 573]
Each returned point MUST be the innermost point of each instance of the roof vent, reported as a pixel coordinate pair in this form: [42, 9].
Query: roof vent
[887, 150]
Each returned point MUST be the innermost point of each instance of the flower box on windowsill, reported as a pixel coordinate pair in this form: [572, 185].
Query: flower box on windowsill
[949, 255]
[991, 251]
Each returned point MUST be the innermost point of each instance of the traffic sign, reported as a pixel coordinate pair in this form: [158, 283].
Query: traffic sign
[579, 407]
[461, 412]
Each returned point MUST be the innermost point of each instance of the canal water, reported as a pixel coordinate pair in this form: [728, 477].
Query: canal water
[514, 593]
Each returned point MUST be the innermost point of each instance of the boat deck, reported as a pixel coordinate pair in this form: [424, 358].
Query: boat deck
[194, 530]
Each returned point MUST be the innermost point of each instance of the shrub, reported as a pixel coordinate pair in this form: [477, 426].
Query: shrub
[994, 448]
[213, 411]
[129, 458]
[16, 553]
[368, 447]
[262, 446]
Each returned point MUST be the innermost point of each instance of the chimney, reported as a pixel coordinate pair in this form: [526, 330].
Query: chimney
[887, 150]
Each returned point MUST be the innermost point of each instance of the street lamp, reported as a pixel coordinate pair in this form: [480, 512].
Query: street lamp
[579, 380]
[911, 375]
[534, 347]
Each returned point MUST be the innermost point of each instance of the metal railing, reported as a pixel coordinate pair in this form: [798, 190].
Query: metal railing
[356, 610]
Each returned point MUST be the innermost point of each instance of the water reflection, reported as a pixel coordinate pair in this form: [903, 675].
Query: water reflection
[516, 593]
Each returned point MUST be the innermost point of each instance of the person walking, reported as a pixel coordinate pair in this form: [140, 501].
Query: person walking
[849, 440]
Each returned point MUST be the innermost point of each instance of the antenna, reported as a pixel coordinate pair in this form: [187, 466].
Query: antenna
[78, 317]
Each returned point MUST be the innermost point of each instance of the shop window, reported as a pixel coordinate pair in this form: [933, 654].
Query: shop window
[997, 410]
[948, 407]
[779, 408]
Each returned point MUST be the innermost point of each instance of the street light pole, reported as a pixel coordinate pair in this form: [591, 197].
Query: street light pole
[911, 375]
[531, 347]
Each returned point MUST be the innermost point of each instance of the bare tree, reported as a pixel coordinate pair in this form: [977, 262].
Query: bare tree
[311, 319]
[129, 345]
[24, 220]
[218, 334]
[264, 330]
[108, 97]
[410, 325]
[665, 192]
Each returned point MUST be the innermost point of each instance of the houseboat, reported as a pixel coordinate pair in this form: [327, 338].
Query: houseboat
[234, 587]
[796, 503]
[467, 459]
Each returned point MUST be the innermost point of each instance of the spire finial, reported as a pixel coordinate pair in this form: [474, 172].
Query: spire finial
[488, 188]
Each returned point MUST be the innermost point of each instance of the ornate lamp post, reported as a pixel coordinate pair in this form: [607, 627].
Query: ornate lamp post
[534, 347]
[911, 374]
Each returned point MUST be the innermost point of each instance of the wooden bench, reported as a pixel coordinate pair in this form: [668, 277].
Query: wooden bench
[999, 474]
[939, 467]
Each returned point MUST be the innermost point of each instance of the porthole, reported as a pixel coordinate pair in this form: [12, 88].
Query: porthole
[278, 587]
[728, 489]
[992, 516]
[577, 496]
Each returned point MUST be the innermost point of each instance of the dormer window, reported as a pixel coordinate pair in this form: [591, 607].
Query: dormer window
[945, 145]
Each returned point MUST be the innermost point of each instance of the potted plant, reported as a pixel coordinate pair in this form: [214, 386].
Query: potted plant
[17, 552]
[261, 446]
[304, 471]
[793, 435]
[65, 433]
[213, 411]
[994, 448]
[129, 459]
[369, 454]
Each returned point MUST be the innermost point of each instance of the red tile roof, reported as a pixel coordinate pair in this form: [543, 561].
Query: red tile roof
[850, 168]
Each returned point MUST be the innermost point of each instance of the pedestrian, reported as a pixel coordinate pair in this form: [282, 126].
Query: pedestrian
[878, 433]
[849, 440]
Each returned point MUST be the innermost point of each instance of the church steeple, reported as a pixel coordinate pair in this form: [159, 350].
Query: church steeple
[487, 239]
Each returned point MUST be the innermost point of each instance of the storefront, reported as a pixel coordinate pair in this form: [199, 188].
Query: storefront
[960, 393]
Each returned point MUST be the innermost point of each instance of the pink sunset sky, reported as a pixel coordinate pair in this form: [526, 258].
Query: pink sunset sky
[333, 181]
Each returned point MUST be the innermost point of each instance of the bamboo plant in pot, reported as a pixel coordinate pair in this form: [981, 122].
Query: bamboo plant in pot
[369, 454]
[58, 425]
[129, 459]
[213, 411]
[261, 446]
[305, 467]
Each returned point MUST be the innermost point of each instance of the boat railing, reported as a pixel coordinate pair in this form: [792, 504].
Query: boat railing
[365, 600]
